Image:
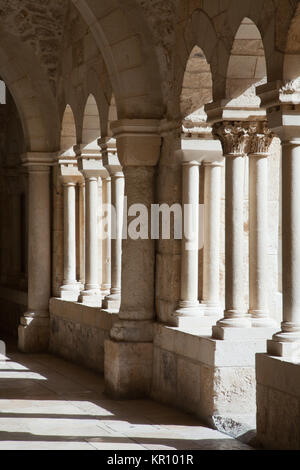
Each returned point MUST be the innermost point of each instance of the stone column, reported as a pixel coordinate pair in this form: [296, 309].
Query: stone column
[234, 139]
[261, 139]
[189, 304]
[212, 223]
[111, 162]
[128, 353]
[90, 165]
[70, 177]
[106, 245]
[287, 341]
[34, 327]
[82, 232]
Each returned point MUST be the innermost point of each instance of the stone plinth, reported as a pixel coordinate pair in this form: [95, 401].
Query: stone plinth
[128, 369]
[278, 402]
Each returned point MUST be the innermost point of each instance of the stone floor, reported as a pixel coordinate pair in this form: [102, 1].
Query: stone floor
[48, 403]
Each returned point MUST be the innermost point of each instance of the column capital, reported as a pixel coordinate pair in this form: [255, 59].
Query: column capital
[234, 137]
[68, 169]
[38, 161]
[261, 139]
[138, 141]
[89, 159]
[109, 152]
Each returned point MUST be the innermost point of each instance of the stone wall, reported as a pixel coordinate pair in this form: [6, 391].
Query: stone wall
[77, 333]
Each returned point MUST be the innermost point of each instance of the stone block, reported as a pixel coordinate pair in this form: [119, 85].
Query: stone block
[128, 369]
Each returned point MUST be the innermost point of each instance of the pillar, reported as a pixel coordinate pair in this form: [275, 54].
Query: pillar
[212, 223]
[113, 301]
[34, 326]
[106, 245]
[258, 226]
[287, 341]
[82, 232]
[128, 352]
[234, 139]
[91, 167]
[70, 288]
[189, 304]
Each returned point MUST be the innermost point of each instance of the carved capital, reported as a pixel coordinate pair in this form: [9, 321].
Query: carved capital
[290, 91]
[234, 137]
[261, 138]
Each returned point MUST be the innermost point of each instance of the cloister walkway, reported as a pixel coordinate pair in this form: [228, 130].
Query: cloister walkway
[48, 403]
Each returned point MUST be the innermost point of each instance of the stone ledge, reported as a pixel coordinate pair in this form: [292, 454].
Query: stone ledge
[82, 314]
[209, 351]
[278, 373]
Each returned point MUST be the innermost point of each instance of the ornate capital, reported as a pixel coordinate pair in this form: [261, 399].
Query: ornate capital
[261, 138]
[290, 91]
[234, 137]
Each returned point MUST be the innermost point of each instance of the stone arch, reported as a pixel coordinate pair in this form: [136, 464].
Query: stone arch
[91, 121]
[32, 93]
[123, 38]
[68, 131]
[247, 65]
[198, 33]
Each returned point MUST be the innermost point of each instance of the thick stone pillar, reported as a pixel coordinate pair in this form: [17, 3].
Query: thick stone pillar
[110, 158]
[234, 138]
[189, 304]
[261, 139]
[91, 167]
[70, 177]
[128, 353]
[212, 224]
[34, 327]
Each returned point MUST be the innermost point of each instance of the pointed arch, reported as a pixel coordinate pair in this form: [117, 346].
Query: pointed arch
[247, 64]
[68, 130]
[91, 121]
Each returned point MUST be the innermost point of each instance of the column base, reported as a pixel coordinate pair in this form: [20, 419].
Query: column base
[259, 320]
[214, 309]
[278, 403]
[105, 290]
[112, 302]
[246, 333]
[91, 298]
[128, 369]
[69, 292]
[191, 318]
[34, 334]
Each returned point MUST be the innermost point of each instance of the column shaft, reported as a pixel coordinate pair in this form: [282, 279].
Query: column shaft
[258, 238]
[70, 290]
[235, 310]
[212, 221]
[106, 247]
[189, 304]
[91, 294]
[113, 301]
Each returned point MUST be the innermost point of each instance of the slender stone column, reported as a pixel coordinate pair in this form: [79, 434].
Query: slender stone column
[70, 177]
[212, 222]
[106, 245]
[82, 232]
[69, 289]
[128, 353]
[90, 165]
[34, 327]
[234, 138]
[189, 304]
[289, 338]
[261, 140]
[113, 301]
